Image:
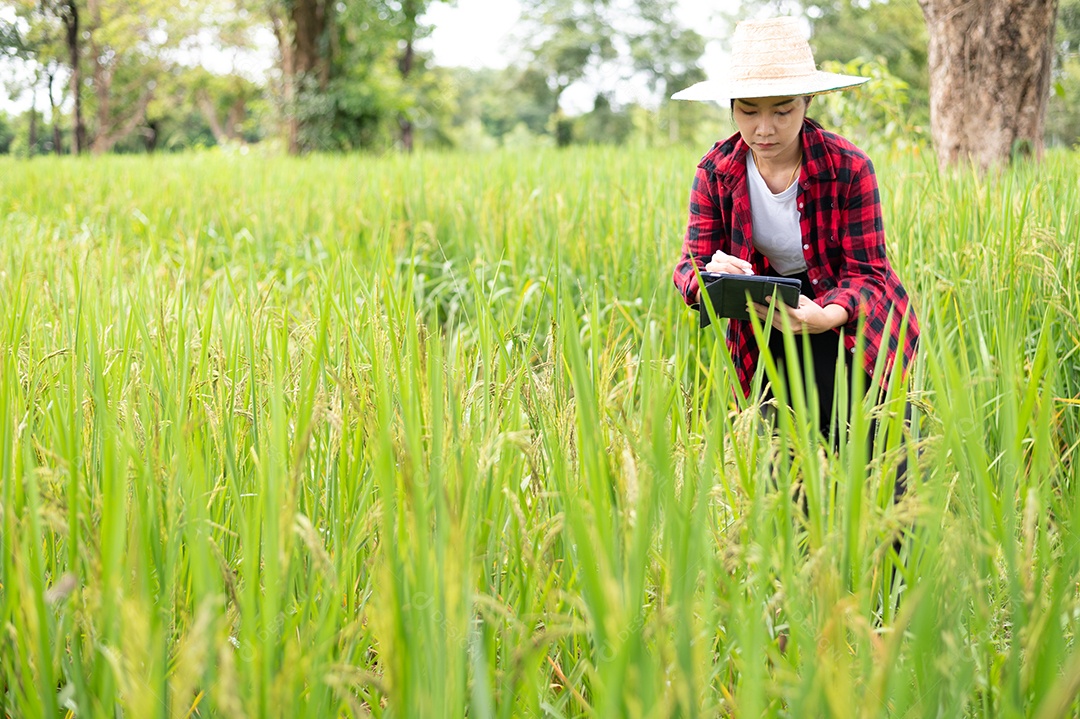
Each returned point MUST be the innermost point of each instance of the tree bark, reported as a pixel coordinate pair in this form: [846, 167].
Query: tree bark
[288, 78]
[405, 67]
[234, 118]
[989, 77]
[224, 132]
[209, 112]
[305, 57]
[32, 146]
[151, 133]
[309, 37]
[54, 114]
[111, 131]
[69, 14]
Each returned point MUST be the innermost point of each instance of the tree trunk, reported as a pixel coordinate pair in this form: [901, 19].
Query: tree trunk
[70, 15]
[309, 36]
[221, 135]
[151, 133]
[305, 58]
[989, 77]
[32, 147]
[111, 130]
[54, 114]
[288, 78]
[405, 67]
[234, 118]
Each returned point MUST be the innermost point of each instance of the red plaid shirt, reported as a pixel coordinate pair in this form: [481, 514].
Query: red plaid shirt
[843, 243]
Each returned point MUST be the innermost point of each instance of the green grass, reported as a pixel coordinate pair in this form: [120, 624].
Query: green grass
[435, 437]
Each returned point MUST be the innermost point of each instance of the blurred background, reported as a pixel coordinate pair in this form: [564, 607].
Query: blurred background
[397, 75]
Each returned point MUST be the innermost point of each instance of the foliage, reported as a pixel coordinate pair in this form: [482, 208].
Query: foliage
[569, 37]
[574, 40]
[665, 53]
[140, 94]
[18, 131]
[6, 134]
[498, 102]
[419, 436]
[875, 115]
[892, 32]
[127, 49]
[1063, 114]
[603, 125]
[375, 81]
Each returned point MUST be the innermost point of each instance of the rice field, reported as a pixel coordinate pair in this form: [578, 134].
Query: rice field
[435, 437]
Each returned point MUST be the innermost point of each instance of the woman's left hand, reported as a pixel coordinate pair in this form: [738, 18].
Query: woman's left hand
[809, 317]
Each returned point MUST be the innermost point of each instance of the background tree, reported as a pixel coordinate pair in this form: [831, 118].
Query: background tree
[573, 40]
[60, 18]
[1063, 112]
[349, 69]
[668, 57]
[603, 125]
[569, 38]
[6, 134]
[35, 39]
[224, 102]
[305, 32]
[891, 33]
[68, 12]
[492, 103]
[117, 75]
[404, 20]
[990, 67]
[114, 53]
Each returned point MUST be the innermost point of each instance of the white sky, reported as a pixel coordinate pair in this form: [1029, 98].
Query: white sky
[481, 33]
[476, 33]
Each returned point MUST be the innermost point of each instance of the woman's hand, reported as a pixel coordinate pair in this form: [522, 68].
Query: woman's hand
[809, 317]
[726, 264]
[723, 263]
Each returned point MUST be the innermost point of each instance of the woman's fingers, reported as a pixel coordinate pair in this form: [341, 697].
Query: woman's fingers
[795, 314]
[726, 264]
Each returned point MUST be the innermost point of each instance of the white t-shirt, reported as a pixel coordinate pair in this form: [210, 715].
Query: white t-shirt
[776, 222]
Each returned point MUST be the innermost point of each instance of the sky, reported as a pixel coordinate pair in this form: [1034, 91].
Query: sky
[481, 33]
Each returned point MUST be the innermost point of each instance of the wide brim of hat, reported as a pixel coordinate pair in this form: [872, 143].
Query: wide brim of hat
[722, 91]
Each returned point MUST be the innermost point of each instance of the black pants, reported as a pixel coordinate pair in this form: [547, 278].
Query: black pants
[825, 353]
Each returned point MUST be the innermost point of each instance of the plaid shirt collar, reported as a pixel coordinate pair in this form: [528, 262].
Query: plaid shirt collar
[731, 168]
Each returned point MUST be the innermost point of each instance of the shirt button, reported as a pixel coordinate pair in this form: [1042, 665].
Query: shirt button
[806, 247]
[800, 205]
[814, 281]
[852, 350]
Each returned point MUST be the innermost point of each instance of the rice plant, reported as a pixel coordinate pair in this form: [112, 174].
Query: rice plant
[435, 437]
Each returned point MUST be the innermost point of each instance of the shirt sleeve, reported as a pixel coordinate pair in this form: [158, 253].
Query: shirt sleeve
[705, 233]
[863, 267]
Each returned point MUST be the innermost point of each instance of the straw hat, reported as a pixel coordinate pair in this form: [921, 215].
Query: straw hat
[769, 58]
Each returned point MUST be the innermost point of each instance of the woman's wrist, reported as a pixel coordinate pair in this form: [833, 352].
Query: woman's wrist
[835, 316]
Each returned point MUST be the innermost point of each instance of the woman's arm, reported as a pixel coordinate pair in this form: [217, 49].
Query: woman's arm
[808, 317]
[863, 264]
[706, 232]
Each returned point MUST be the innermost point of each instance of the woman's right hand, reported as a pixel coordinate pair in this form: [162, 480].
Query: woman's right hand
[723, 263]
[726, 264]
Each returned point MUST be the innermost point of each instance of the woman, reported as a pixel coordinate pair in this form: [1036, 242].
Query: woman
[785, 197]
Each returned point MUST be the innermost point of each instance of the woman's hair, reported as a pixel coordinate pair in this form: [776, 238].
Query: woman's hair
[808, 98]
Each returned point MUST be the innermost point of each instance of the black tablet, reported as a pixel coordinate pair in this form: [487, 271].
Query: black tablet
[728, 293]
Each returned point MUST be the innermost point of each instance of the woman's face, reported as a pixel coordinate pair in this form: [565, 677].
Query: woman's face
[771, 125]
